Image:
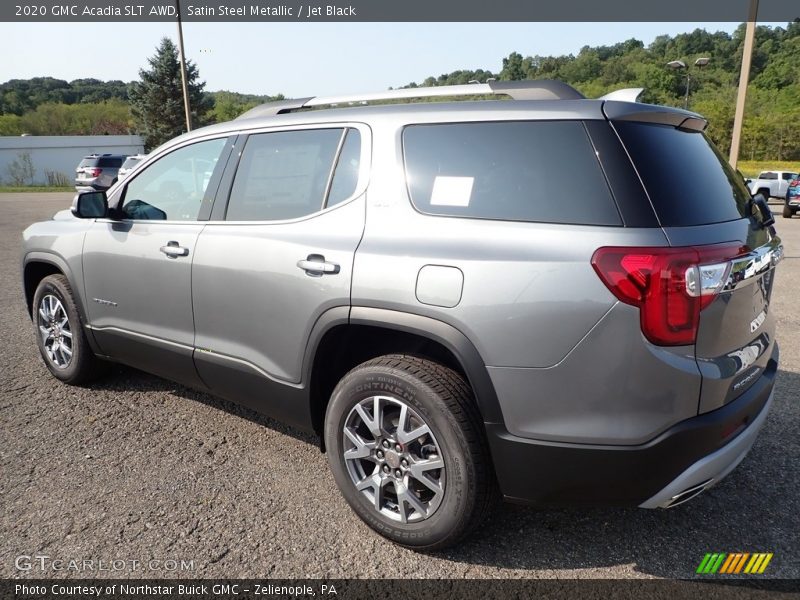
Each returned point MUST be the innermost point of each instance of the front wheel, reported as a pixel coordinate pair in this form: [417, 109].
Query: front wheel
[787, 211]
[59, 333]
[406, 448]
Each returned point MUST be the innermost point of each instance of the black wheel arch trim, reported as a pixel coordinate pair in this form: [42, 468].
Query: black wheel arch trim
[449, 337]
[56, 261]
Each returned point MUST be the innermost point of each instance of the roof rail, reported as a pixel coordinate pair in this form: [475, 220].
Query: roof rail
[624, 95]
[539, 89]
[274, 108]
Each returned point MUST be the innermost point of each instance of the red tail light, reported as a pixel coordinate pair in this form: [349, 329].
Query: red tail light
[670, 286]
[95, 172]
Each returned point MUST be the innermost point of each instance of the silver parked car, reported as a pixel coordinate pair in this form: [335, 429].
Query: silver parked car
[98, 171]
[414, 283]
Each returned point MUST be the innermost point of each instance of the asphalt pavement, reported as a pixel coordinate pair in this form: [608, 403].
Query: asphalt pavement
[137, 469]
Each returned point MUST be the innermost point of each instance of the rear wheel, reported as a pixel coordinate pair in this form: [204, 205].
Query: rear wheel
[406, 448]
[59, 333]
[787, 211]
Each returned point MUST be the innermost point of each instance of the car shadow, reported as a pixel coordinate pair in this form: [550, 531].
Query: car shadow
[123, 378]
[755, 509]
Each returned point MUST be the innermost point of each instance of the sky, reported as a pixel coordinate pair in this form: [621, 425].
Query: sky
[304, 59]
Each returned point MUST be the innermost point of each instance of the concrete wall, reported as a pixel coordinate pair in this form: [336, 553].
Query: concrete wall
[62, 153]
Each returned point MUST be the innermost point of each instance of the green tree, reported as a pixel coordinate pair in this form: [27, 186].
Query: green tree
[11, 125]
[227, 107]
[157, 100]
[513, 68]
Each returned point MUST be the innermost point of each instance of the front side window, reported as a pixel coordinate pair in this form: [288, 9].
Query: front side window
[287, 174]
[173, 187]
[348, 167]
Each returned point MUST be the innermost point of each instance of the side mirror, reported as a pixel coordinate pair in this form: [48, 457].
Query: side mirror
[761, 211]
[90, 205]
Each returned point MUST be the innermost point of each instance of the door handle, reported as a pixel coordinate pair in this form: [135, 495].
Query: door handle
[315, 265]
[173, 250]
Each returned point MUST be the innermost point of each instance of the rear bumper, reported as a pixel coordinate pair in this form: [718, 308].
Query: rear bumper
[711, 469]
[699, 451]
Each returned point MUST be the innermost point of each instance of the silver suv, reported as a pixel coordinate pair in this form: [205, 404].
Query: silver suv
[415, 283]
[98, 171]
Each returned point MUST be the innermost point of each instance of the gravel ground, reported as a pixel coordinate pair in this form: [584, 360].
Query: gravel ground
[138, 468]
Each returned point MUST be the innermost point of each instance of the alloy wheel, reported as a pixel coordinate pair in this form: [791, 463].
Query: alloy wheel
[393, 458]
[55, 331]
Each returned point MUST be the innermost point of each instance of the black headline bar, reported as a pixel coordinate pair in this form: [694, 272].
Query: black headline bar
[394, 10]
[718, 588]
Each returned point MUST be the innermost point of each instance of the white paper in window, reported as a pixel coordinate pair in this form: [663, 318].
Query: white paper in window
[451, 191]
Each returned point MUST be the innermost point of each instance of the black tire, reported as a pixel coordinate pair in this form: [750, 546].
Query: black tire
[443, 401]
[83, 366]
[787, 211]
[764, 192]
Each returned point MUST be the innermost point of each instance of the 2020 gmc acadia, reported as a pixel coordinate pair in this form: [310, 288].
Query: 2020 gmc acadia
[415, 283]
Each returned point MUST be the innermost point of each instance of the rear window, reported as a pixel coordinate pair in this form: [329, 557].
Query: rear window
[88, 162]
[538, 171]
[110, 163]
[688, 180]
[131, 162]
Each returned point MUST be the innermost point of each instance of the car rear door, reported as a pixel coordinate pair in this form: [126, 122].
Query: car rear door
[137, 268]
[709, 207]
[276, 258]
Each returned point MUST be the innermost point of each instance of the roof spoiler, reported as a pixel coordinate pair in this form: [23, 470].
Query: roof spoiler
[624, 95]
[651, 113]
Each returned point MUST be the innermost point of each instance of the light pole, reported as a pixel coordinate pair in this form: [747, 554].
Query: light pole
[676, 65]
[184, 83]
[744, 78]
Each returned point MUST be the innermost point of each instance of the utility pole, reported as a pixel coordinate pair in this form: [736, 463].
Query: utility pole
[184, 83]
[744, 79]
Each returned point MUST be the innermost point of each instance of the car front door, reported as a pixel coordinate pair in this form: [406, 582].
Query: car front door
[277, 259]
[137, 266]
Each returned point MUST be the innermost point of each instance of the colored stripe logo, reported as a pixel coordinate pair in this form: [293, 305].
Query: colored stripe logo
[735, 563]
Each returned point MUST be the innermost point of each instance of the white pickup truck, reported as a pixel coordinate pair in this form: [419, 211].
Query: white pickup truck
[772, 184]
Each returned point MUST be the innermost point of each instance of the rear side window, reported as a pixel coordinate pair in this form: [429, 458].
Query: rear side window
[687, 179]
[88, 162]
[542, 171]
[283, 175]
[768, 175]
